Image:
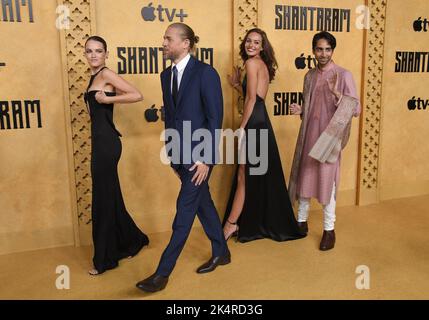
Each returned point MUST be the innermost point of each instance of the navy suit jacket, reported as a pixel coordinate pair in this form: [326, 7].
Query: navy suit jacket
[199, 106]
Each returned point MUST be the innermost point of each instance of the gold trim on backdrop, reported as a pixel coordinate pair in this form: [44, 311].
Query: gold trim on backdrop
[78, 74]
[66, 97]
[245, 18]
[368, 188]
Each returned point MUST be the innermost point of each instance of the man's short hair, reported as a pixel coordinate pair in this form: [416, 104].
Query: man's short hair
[327, 36]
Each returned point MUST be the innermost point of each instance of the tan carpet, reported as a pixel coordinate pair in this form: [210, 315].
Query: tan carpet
[390, 238]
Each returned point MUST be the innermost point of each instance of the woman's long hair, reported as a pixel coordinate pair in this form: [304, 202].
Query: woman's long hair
[267, 53]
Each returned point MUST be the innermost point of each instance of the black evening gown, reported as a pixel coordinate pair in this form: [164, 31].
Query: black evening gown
[267, 210]
[115, 235]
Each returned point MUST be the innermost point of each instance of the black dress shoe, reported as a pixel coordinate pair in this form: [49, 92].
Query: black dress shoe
[303, 227]
[210, 265]
[153, 283]
[328, 240]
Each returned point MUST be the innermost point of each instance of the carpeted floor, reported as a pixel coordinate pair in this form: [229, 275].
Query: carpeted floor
[391, 239]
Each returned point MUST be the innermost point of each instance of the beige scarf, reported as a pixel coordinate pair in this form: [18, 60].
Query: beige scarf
[336, 135]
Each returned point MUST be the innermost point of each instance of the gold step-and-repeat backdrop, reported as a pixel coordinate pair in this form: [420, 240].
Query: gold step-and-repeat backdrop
[45, 182]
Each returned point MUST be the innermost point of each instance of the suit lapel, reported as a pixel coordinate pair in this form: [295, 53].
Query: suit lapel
[187, 75]
[167, 87]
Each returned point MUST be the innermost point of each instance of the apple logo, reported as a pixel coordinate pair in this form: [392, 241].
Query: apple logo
[151, 114]
[300, 62]
[417, 25]
[148, 13]
[412, 103]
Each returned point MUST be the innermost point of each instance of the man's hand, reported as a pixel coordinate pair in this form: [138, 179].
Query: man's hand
[295, 109]
[201, 173]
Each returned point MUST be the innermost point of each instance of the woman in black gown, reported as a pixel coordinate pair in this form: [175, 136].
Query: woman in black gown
[258, 205]
[115, 235]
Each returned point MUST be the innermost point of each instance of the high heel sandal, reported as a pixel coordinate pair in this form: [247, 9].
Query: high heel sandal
[235, 233]
[93, 272]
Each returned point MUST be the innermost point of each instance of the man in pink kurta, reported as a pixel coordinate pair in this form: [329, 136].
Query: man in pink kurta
[327, 88]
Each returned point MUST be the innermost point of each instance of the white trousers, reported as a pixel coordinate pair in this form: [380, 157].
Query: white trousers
[328, 211]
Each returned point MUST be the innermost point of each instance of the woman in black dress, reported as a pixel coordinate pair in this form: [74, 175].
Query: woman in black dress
[259, 205]
[115, 235]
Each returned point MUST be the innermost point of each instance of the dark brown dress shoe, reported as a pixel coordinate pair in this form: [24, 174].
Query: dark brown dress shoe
[328, 240]
[210, 265]
[303, 227]
[153, 283]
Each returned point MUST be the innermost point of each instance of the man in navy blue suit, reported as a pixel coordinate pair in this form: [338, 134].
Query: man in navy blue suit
[193, 103]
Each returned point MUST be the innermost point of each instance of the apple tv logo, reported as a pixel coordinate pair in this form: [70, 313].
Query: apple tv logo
[148, 13]
[151, 114]
[419, 104]
[301, 62]
[420, 25]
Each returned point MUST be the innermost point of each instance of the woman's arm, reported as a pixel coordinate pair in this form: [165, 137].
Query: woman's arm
[127, 92]
[239, 88]
[235, 80]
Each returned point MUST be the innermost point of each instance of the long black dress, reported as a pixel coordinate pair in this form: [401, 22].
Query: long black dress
[115, 235]
[267, 211]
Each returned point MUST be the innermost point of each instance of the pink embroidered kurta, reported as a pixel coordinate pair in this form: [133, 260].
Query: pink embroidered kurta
[315, 179]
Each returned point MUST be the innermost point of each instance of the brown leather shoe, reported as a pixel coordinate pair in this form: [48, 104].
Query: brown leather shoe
[303, 227]
[328, 240]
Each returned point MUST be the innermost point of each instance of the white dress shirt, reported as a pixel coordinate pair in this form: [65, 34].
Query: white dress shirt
[180, 69]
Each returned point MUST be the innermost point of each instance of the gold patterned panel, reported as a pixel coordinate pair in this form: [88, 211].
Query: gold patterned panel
[371, 110]
[78, 74]
[245, 18]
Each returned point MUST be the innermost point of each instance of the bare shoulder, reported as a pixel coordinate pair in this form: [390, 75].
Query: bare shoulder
[253, 64]
[108, 74]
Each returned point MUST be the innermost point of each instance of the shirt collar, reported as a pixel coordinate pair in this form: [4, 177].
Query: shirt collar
[182, 63]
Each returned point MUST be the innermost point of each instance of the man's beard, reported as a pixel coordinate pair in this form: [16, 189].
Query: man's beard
[171, 56]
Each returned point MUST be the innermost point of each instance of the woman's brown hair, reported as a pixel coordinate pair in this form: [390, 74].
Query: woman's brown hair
[267, 53]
